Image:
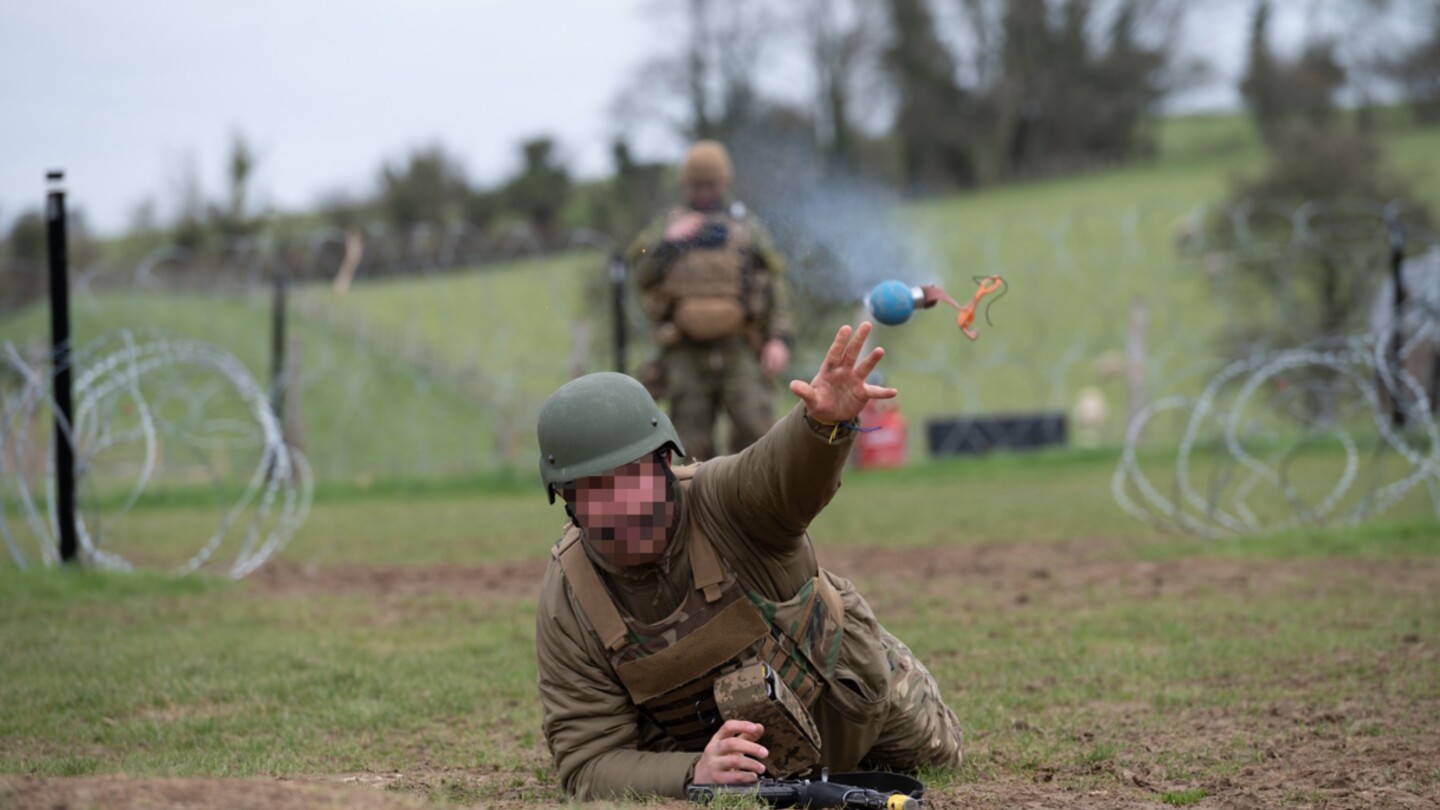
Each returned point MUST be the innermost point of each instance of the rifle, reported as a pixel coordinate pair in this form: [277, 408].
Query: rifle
[807, 793]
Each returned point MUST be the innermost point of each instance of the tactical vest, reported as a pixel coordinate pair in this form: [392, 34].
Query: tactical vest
[670, 667]
[708, 285]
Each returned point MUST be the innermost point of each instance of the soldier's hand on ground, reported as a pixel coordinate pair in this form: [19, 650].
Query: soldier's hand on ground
[732, 757]
[685, 227]
[774, 357]
[839, 391]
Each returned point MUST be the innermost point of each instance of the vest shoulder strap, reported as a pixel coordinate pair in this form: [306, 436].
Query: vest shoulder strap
[704, 562]
[589, 590]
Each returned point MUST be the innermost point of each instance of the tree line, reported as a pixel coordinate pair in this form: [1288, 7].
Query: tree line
[925, 96]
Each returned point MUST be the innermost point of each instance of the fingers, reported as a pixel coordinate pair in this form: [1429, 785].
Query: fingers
[870, 362]
[803, 390]
[836, 355]
[733, 756]
[739, 748]
[846, 347]
[857, 342]
[880, 392]
[736, 770]
[739, 728]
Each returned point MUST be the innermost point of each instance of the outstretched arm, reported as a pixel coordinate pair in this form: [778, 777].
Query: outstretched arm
[838, 393]
[770, 492]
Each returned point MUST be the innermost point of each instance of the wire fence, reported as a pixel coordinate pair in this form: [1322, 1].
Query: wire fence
[426, 354]
[175, 411]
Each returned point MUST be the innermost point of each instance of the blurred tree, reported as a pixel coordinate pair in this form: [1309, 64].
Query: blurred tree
[1278, 93]
[482, 207]
[26, 243]
[26, 239]
[706, 85]
[1314, 81]
[640, 191]
[728, 41]
[1260, 88]
[1130, 78]
[929, 121]
[428, 186]
[1018, 104]
[1417, 70]
[1313, 246]
[143, 217]
[1078, 78]
[22, 264]
[697, 79]
[188, 225]
[844, 38]
[233, 218]
[343, 210]
[539, 191]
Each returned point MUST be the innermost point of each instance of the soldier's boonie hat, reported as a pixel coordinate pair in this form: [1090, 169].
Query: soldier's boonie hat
[707, 162]
[598, 422]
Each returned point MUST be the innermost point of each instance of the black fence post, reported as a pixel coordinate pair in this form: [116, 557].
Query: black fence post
[617, 299]
[60, 359]
[278, 381]
[1396, 229]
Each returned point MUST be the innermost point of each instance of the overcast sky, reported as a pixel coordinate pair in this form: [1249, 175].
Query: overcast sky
[121, 94]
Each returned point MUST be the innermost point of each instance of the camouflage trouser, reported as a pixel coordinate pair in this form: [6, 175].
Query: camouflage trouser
[702, 381]
[919, 728]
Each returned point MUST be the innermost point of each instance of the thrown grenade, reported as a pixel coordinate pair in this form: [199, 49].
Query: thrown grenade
[892, 302]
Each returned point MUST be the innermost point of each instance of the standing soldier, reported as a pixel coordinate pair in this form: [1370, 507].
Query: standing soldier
[712, 282]
[685, 632]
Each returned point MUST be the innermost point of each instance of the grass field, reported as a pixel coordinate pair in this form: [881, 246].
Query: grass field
[1093, 662]
[386, 659]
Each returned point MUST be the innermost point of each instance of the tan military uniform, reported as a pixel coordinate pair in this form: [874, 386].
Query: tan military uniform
[615, 723]
[715, 302]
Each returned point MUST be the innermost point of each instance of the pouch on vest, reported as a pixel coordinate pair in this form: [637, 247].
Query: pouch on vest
[706, 286]
[754, 694]
[709, 319]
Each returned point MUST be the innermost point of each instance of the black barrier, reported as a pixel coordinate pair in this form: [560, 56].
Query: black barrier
[60, 353]
[981, 434]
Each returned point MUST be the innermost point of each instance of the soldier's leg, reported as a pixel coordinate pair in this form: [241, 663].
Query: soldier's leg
[692, 399]
[919, 728]
[748, 398]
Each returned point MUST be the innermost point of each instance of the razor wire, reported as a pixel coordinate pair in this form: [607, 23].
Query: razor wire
[145, 411]
[1253, 426]
[444, 376]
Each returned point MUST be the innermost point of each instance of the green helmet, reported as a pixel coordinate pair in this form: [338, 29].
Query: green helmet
[596, 423]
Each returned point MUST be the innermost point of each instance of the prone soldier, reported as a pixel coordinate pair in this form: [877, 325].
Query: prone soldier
[685, 632]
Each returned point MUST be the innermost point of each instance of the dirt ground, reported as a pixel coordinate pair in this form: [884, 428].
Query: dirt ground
[1312, 758]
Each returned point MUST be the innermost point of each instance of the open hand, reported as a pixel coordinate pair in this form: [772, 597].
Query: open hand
[732, 757]
[839, 391]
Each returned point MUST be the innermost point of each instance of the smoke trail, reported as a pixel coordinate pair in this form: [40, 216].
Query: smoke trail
[838, 231]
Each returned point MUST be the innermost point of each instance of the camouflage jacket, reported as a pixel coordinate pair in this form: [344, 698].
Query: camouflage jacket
[754, 507]
[650, 256]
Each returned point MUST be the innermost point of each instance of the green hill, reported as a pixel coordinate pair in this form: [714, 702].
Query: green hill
[441, 376]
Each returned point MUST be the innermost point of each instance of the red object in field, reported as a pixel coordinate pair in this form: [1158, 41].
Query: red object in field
[886, 447]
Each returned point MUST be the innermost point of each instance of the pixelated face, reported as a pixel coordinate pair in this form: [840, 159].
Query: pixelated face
[625, 513]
